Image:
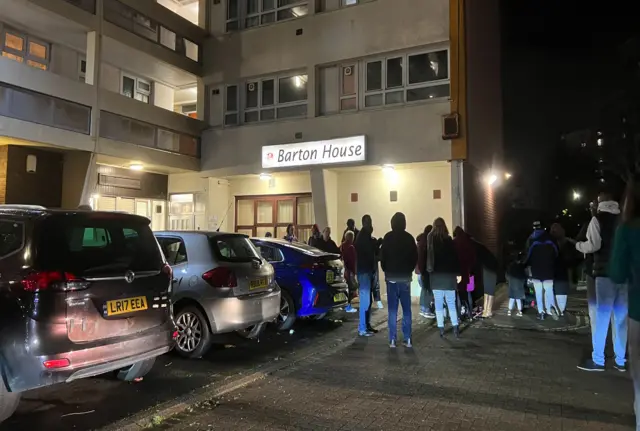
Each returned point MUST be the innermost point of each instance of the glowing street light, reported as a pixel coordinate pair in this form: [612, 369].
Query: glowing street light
[576, 195]
[491, 180]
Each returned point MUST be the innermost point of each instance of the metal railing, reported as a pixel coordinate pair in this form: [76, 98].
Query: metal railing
[124, 129]
[38, 108]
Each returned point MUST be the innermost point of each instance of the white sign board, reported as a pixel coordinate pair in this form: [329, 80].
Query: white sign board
[343, 150]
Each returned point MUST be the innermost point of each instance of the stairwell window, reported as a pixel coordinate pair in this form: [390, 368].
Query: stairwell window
[242, 14]
[266, 99]
[26, 49]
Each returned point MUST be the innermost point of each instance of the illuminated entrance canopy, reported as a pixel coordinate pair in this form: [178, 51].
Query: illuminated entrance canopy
[343, 150]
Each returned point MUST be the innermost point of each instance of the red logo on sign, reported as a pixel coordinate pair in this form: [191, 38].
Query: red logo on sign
[269, 156]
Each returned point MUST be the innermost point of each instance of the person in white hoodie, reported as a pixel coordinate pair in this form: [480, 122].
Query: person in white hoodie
[611, 298]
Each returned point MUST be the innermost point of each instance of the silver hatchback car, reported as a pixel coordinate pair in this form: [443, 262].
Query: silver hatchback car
[221, 284]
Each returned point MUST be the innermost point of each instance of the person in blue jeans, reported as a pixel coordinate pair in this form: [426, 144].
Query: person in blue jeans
[443, 268]
[366, 249]
[611, 297]
[398, 258]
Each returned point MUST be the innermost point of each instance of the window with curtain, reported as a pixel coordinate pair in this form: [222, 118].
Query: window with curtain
[259, 215]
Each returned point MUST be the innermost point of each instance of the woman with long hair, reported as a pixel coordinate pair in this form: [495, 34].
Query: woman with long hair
[349, 257]
[426, 296]
[443, 268]
[624, 267]
[291, 233]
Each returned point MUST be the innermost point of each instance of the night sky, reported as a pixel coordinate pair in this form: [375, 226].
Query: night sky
[561, 64]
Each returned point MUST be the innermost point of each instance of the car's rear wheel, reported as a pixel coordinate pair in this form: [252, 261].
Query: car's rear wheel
[287, 316]
[8, 402]
[194, 336]
[136, 371]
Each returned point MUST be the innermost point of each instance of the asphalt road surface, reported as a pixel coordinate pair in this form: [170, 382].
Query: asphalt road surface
[96, 402]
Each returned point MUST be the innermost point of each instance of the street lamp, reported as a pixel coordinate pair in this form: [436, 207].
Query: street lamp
[576, 195]
[507, 175]
[491, 179]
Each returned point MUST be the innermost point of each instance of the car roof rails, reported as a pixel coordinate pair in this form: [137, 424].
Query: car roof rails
[22, 207]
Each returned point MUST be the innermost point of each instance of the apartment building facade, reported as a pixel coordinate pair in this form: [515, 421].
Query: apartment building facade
[249, 115]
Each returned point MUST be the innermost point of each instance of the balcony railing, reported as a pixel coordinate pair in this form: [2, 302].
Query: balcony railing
[129, 19]
[42, 109]
[87, 5]
[123, 129]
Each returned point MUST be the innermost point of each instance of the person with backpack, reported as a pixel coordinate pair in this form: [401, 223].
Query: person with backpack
[541, 258]
[398, 258]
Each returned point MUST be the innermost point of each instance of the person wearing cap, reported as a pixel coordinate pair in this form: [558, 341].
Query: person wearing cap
[541, 259]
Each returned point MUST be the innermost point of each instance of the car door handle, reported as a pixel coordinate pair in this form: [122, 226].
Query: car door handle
[175, 280]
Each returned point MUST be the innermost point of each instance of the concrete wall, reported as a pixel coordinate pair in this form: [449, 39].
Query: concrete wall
[65, 62]
[374, 27]
[74, 171]
[163, 96]
[416, 130]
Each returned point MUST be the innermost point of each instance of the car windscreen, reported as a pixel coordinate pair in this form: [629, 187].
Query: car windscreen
[233, 248]
[92, 246]
[11, 237]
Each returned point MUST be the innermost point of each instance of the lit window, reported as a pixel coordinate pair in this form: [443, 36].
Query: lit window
[266, 99]
[25, 49]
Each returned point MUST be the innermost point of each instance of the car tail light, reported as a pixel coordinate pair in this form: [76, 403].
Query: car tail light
[56, 363]
[220, 277]
[53, 280]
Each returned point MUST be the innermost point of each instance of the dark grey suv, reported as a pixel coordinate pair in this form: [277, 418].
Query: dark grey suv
[82, 293]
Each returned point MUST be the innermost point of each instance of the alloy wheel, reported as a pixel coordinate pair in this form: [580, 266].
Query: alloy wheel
[189, 332]
[284, 311]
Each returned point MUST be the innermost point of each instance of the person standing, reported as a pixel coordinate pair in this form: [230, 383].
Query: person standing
[376, 276]
[349, 257]
[351, 226]
[566, 259]
[624, 267]
[541, 258]
[516, 278]
[366, 262]
[326, 243]
[443, 269]
[398, 257]
[466, 250]
[426, 295]
[315, 236]
[291, 233]
[487, 267]
[611, 297]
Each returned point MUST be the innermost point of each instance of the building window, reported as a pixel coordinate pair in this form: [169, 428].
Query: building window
[394, 80]
[25, 49]
[243, 14]
[266, 99]
[136, 88]
[406, 78]
[259, 215]
[82, 70]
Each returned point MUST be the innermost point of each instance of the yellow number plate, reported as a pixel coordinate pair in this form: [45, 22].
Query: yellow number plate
[258, 284]
[128, 305]
[331, 276]
[340, 297]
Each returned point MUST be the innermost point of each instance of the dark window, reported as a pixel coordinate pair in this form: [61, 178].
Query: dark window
[11, 237]
[394, 72]
[174, 250]
[270, 254]
[232, 98]
[236, 248]
[427, 67]
[268, 92]
[374, 76]
[292, 89]
[94, 246]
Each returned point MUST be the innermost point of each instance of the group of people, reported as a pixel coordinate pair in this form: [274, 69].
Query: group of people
[447, 268]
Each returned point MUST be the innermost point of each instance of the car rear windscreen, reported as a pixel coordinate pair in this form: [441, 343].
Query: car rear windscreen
[94, 246]
[233, 248]
[307, 249]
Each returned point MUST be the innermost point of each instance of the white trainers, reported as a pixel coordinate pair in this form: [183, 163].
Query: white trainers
[508, 312]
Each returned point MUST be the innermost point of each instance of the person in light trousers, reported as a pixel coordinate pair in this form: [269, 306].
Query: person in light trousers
[444, 269]
[611, 297]
[541, 258]
[398, 257]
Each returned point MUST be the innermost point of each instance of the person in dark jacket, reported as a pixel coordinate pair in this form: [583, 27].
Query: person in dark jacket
[349, 257]
[443, 268]
[486, 269]
[315, 236]
[610, 296]
[351, 226]
[366, 264]
[326, 243]
[541, 258]
[516, 278]
[567, 257]
[376, 276]
[426, 295]
[398, 258]
[466, 249]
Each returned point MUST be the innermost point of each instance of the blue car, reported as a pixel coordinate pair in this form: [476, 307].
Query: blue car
[312, 281]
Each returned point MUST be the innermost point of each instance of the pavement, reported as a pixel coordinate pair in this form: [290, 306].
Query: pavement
[504, 373]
